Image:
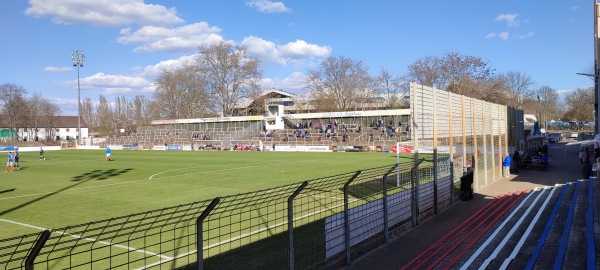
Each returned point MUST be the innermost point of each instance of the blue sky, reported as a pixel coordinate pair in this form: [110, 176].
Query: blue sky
[127, 42]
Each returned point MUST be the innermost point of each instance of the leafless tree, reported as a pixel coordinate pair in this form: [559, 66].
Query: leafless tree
[549, 102]
[142, 111]
[459, 71]
[230, 74]
[106, 123]
[518, 88]
[393, 88]
[426, 71]
[579, 107]
[88, 113]
[340, 84]
[49, 111]
[461, 74]
[13, 107]
[39, 110]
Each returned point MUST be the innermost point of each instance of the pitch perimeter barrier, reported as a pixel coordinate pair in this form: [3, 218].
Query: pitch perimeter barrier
[323, 223]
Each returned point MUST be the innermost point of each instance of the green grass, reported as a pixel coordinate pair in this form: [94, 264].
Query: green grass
[79, 186]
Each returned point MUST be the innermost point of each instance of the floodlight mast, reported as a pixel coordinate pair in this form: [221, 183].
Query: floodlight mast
[78, 59]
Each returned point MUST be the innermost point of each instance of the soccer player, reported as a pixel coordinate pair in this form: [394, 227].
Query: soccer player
[42, 153]
[108, 153]
[16, 164]
[9, 163]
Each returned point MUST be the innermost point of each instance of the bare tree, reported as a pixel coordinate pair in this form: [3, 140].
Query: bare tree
[230, 74]
[393, 88]
[579, 107]
[549, 102]
[426, 71]
[105, 117]
[340, 84]
[13, 106]
[39, 109]
[49, 112]
[459, 71]
[461, 74]
[518, 88]
[181, 93]
[88, 113]
[142, 111]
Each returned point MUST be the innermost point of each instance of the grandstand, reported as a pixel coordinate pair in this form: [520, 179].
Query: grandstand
[331, 129]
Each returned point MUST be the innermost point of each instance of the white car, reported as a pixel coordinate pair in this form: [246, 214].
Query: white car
[574, 135]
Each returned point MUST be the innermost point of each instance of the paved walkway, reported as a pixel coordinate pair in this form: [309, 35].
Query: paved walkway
[564, 167]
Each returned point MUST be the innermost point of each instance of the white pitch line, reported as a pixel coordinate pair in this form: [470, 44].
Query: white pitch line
[90, 239]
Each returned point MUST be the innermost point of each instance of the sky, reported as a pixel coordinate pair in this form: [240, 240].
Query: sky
[126, 43]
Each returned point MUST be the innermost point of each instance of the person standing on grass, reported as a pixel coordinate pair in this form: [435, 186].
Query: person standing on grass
[42, 154]
[9, 164]
[17, 160]
[506, 165]
[108, 153]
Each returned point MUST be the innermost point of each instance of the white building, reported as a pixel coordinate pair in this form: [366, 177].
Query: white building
[59, 128]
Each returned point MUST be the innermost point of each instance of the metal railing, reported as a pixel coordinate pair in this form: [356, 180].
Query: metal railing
[320, 223]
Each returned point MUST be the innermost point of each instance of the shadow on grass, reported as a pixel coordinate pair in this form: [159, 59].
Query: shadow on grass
[273, 252]
[93, 175]
[99, 174]
[7, 190]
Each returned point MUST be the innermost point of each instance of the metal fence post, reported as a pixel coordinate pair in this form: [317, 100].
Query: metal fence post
[39, 244]
[291, 222]
[415, 192]
[451, 181]
[435, 181]
[347, 217]
[386, 226]
[200, 230]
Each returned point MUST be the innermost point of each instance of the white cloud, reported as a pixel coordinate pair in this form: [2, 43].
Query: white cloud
[106, 80]
[503, 35]
[573, 8]
[266, 6]
[528, 35]
[294, 83]
[180, 39]
[117, 90]
[155, 70]
[510, 19]
[103, 12]
[506, 35]
[149, 89]
[58, 69]
[270, 52]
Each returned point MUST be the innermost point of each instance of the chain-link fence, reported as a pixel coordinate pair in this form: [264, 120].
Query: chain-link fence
[316, 224]
[471, 132]
[322, 223]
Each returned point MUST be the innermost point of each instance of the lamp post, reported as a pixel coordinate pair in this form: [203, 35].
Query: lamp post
[78, 59]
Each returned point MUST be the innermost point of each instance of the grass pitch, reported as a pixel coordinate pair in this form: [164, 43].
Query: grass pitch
[79, 186]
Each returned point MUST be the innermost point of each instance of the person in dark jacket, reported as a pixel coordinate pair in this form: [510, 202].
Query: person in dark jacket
[466, 185]
[516, 162]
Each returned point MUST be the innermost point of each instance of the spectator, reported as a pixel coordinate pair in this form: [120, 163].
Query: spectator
[585, 165]
[466, 184]
[506, 165]
[516, 162]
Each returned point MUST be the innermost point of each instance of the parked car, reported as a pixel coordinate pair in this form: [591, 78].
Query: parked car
[574, 135]
[553, 137]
